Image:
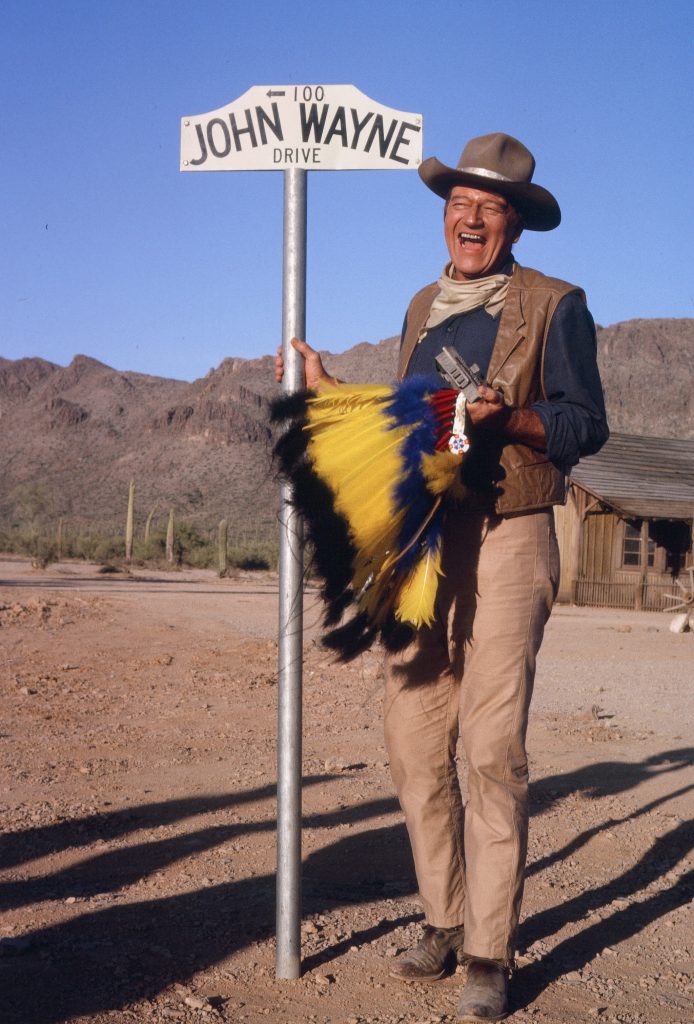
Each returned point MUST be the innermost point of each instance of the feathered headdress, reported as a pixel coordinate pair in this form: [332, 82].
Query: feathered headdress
[370, 466]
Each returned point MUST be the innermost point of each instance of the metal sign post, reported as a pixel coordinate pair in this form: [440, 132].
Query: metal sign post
[296, 128]
[290, 640]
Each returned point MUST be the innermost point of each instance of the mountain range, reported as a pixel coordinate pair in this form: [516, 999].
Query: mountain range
[80, 433]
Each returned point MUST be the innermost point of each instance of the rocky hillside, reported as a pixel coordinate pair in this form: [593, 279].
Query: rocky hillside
[81, 432]
[647, 370]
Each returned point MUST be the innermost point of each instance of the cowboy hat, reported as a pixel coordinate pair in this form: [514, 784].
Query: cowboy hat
[501, 164]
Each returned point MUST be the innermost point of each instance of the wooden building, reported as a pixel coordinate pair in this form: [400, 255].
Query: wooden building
[625, 534]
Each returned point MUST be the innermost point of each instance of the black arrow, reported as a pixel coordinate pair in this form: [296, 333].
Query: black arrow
[272, 93]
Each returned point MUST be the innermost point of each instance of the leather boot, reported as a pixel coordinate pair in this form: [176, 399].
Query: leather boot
[434, 955]
[485, 995]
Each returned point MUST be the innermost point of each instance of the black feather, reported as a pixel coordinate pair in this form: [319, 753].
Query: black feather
[290, 407]
[333, 551]
[355, 637]
[395, 635]
[334, 554]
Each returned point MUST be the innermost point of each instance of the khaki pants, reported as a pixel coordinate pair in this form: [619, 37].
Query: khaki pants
[472, 674]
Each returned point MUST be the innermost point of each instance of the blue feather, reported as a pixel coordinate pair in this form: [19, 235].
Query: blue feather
[406, 405]
[409, 406]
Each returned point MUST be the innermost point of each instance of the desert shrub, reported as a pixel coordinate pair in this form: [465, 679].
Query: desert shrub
[194, 545]
[108, 549]
[260, 555]
[35, 542]
[95, 547]
[31, 533]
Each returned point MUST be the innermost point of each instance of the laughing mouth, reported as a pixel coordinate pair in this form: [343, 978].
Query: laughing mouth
[465, 236]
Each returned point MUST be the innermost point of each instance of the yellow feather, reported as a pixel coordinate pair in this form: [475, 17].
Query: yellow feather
[354, 450]
[377, 599]
[417, 598]
[442, 474]
[340, 400]
[440, 470]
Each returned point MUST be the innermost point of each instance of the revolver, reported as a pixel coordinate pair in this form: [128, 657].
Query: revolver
[457, 372]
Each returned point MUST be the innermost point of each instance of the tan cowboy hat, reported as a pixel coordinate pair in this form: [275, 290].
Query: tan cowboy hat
[501, 164]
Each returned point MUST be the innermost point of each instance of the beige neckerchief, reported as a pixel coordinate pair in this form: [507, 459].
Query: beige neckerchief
[457, 297]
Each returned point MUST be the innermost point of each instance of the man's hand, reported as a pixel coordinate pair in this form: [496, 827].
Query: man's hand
[519, 425]
[490, 412]
[316, 376]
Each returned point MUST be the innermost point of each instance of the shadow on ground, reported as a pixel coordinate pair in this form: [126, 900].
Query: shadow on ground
[113, 955]
[109, 957]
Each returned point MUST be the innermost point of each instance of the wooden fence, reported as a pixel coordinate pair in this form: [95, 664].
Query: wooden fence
[606, 592]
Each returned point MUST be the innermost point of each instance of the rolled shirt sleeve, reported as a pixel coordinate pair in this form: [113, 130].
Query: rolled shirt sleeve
[573, 414]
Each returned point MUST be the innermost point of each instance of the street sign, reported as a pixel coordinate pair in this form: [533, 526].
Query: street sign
[314, 127]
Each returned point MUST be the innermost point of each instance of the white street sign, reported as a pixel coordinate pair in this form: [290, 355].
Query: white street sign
[314, 127]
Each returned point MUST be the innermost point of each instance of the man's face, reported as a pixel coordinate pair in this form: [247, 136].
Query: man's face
[480, 229]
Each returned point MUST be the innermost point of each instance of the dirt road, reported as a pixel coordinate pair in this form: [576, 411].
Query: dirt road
[137, 802]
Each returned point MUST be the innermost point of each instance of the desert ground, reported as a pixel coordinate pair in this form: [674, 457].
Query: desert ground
[138, 732]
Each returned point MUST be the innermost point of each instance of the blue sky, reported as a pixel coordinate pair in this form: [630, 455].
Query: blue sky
[108, 250]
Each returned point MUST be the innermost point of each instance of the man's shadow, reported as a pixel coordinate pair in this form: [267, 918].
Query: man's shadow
[575, 952]
[572, 954]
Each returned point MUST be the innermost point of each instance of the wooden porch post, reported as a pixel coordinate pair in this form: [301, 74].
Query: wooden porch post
[578, 497]
[642, 585]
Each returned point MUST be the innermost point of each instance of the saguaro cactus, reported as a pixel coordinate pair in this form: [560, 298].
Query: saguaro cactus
[59, 540]
[222, 546]
[129, 523]
[170, 538]
[148, 524]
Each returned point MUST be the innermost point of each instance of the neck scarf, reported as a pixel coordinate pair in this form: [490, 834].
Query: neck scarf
[457, 297]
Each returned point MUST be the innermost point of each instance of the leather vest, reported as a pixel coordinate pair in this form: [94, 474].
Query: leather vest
[510, 478]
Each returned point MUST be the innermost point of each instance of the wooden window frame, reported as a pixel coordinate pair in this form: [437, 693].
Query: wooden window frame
[659, 554]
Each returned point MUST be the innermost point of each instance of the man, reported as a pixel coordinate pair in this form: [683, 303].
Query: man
[471, 673]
